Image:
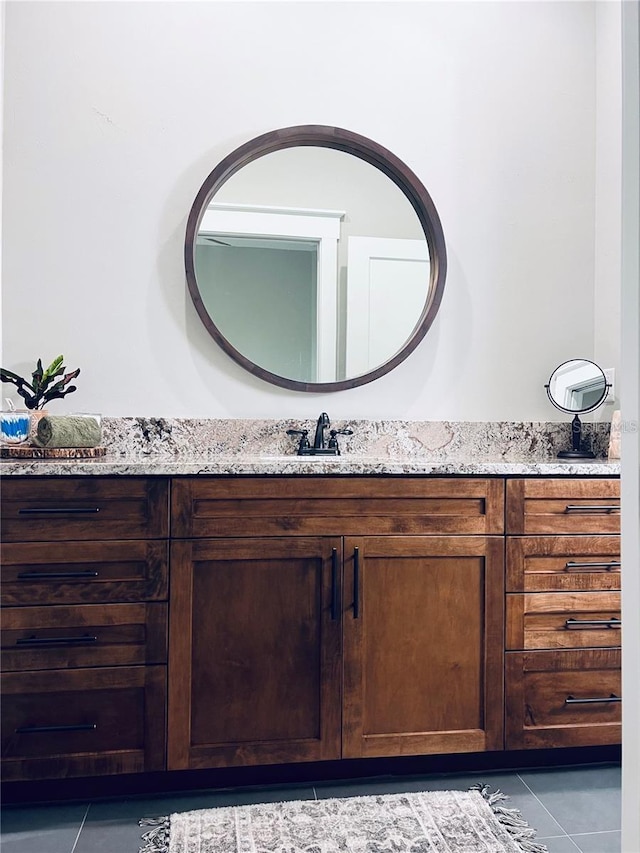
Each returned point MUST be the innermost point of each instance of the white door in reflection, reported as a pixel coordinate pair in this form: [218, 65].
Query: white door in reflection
[387, 285]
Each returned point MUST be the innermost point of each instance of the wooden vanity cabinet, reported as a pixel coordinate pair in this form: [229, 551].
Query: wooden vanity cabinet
[84, 626]
[563, 613]
[311, 618]
[323, 618]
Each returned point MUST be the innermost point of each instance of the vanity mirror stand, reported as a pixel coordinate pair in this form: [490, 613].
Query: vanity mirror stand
[577, 386]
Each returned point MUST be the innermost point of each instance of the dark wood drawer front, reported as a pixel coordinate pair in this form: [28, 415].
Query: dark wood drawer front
[539, 506]
[54, 509]
[559, 620]
[335, 506]
[83, 722]
[84, 572]
[564, 698]
[83, 635]
[546, 563]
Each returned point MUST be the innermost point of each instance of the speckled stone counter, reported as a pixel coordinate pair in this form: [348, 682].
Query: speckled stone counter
[161, 446]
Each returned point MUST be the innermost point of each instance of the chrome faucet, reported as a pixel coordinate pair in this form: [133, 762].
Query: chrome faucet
[323, 423]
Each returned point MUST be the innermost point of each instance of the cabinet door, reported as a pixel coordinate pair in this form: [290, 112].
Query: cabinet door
[575, 506]
[60, 724]
[254, 651]
[64, 509]
[83, 635]
[83, 572]
[423, 639]
[570, 697]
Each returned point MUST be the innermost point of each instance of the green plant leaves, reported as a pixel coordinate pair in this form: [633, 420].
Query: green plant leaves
[37, 393]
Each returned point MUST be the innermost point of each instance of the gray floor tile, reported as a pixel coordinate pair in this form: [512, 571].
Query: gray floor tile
[599, 842]
[53, 829]
[112, 826]
[581, 799]
[561, 844]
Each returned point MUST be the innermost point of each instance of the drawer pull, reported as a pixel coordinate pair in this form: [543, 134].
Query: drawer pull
[58, 510]
[44, 576]
[334, 583]
[571, 700]
[34, 730]
[591, 508]
[593, 623]
[58, 641]
[575, 564]
[356, 583]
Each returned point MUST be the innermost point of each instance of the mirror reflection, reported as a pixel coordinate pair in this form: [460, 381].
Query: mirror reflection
[313, 264]
[578, 385]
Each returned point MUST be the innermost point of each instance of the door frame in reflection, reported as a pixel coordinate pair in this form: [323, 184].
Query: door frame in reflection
[280, 223]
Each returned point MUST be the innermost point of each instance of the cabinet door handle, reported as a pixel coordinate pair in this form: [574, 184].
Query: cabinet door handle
[577, 564]
[592, 508]
[62, 641]
[33, 730]
[334, 583]
[45, 576]
[58, 510]
[356, 583]
[571, 700]
[601, 623]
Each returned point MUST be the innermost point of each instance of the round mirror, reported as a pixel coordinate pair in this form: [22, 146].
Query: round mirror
[315, 258]
[577, 386]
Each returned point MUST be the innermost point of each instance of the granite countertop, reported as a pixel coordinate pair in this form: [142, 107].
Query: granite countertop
[296, 465]
[233, 447]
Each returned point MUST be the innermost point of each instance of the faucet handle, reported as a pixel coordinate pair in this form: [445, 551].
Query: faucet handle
[333, 441]
[304, 440]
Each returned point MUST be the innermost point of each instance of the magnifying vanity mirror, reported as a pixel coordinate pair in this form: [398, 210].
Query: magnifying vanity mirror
[315, 258]
[577, 386]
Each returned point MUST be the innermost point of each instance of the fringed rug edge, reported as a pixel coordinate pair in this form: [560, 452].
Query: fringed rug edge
[511, 819]
[156, 838]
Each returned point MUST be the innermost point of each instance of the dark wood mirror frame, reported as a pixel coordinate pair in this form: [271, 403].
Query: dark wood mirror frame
[367, 150]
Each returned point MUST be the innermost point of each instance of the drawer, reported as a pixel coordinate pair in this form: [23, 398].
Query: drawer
[83, 722]
[546, 563]
[563, 698]
[335, 506]
[563, 506]
[558, 620]
[83, 635]
[84, 572]
[54, 509]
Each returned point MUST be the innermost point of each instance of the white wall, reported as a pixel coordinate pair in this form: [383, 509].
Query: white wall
[2, 40]
[116, 112]
[630, 481]
[608, 210]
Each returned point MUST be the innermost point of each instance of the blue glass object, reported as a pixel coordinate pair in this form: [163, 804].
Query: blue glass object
[14, 427]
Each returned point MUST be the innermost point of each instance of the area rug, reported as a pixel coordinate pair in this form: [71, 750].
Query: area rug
[474, 821]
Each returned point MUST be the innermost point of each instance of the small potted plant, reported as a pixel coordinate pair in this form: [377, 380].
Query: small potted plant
[43, 386]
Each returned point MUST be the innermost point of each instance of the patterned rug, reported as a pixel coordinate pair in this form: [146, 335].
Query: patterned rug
[472, 821]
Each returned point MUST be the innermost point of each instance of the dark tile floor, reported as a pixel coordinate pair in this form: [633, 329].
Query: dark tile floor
[574, 810]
